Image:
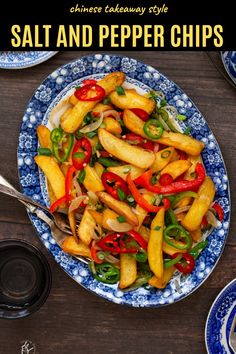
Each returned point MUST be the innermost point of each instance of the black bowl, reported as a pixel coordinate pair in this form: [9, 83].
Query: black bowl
[25, 279]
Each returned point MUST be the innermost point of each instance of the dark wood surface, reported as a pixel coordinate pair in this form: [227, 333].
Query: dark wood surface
[74, 320]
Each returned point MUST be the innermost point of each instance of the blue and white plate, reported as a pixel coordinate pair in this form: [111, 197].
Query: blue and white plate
[219, 321]
[229, 61]
[144, 77]
[22, 60]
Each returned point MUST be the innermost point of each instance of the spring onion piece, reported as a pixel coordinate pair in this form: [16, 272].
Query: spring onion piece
[141, 257]
[44, 151]
[106, 100]
[121, 218]
[121, 194]
[90, 135]
[181, 117]
[81, 176]
[187, 131]
[120, 90]
[107, 162]
[170, 213]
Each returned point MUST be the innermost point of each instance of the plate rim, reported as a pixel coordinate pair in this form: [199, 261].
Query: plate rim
[219, 150]
[25, 65]
[226, 66]
[212, 307]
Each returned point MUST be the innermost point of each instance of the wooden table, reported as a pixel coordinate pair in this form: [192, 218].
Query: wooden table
[73, 320]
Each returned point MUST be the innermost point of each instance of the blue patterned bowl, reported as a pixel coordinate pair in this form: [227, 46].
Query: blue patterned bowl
[229, 61]
[220, 320]
[33, 183]
[22, 60]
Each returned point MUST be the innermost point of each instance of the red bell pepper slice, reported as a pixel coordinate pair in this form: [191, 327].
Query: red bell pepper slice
[140, 113]
[187, 266]
[176, 187]
[138, 238]
[104, 153]
[139, 198]
[204, 222]
[81, 153]
[57, 203]
[115, 185]
[219, 211]
[119, 242]
[90, 92]
[140, 141]
[166, 179]
[182, 155]
[69, 182]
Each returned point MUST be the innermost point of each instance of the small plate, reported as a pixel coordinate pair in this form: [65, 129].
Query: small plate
[219, 321]
[229, 61]
[22, 60]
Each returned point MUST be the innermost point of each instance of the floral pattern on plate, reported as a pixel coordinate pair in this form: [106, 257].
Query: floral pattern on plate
[23, 59]
[33, 183]
[229, 61]
[220, 320]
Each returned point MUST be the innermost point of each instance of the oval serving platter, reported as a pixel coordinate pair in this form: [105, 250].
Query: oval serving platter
[143, 77]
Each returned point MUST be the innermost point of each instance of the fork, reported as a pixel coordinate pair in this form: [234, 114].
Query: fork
[59, 231]
[59, 218]
[232, 335]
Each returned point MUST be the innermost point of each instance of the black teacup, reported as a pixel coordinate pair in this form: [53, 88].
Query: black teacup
[25, 279]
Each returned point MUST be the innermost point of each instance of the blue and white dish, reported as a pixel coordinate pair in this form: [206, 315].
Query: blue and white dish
[229, 61]
[220, 320]
[24, 59]
[143, 77]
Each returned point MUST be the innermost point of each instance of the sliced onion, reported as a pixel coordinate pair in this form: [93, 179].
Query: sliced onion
[93, 126]
[117, 226]
[92, 197]
[111, 259]
[95, 246]
[180, 217]
[97, 233]
[76, 202]
[165, 126]
[136, 212]
[143, 190]
[211, 219]
[157, 200]
[76, 185]
[57, 112]
[156, 147]
[111, 112]
[172, 112]
[182, 210]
